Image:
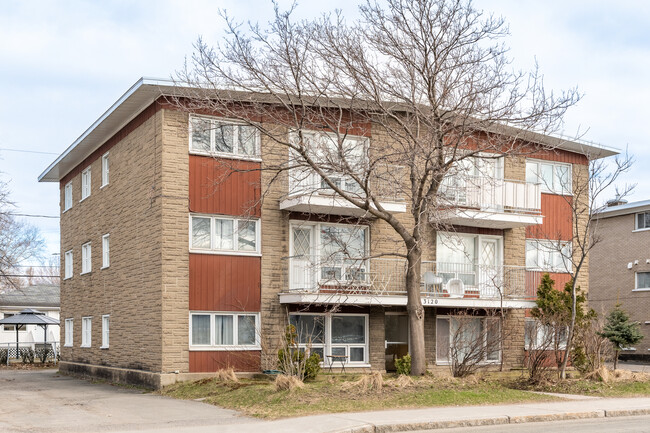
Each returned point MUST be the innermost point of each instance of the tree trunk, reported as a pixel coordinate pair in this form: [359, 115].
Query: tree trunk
[572, 325]
[615, 359]
[415, 311]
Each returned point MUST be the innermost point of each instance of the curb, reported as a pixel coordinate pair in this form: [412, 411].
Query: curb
[499, 420]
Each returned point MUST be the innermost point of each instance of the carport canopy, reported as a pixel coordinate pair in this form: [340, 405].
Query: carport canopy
[29, 317]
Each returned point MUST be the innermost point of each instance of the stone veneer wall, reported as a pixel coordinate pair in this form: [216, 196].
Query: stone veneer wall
[129, 208]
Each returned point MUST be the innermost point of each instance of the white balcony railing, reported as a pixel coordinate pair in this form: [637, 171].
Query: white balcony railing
[385, 277]
[492, 195]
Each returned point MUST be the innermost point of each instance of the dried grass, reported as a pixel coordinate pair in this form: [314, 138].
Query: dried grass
[226, 375]
[403, 381]
[373, 382]
[287, 383]
[608, 376]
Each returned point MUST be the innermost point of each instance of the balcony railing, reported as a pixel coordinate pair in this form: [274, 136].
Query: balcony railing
[386, 277]
[493, 195]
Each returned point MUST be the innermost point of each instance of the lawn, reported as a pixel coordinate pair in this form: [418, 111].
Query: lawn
[344, 393]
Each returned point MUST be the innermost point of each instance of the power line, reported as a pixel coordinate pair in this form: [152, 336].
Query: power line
[27, 151]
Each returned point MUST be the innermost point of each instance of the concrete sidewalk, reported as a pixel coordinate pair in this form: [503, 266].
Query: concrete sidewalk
[435, 418]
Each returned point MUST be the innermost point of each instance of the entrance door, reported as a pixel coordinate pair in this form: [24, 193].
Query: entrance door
[397, 338]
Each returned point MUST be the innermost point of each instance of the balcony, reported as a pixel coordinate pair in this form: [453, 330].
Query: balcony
[488, 202]
[308, 193]
[381, 281]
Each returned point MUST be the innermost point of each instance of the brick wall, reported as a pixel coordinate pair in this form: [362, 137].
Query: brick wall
[611, 281]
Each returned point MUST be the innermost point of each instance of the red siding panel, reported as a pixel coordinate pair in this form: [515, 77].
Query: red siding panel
[558, 218]
[224, 283]
[208, 361]
[224, 186]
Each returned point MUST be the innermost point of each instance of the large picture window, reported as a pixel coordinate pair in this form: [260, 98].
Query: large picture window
[553, 177]
[465, 338]
[546, 255]
[215, 331]
[340, 335]
[223, 234]
[210, 135]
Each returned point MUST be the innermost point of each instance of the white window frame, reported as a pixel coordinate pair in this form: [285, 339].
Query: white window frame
[539, 338]
[105, 170]
[67, 196]
[86, 184]
[86, 331]
[106, 323]
[86, 258]
[327, 340]
[565, 266]
[236, 251]
[225, 347]
[636, 282]
[13, 329]
[485, 361]
[636, 222]
[215, 121]
[552, 189]
[106, 247]
[69, 332]
[68, 263]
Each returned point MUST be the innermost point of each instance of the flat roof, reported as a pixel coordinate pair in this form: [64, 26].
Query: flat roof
[623, 209]
[146, 90]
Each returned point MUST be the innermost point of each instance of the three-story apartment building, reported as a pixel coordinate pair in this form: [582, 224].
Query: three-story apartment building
[175, 265]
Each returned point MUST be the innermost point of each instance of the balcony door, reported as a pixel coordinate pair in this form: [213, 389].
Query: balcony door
[304, 267]
[397, 338]
[489, 269]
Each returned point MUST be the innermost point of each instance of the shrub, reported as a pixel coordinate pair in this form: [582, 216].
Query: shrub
[293, 361]
[4, 353]
[403, 365]
[42, 353]
[27, 355]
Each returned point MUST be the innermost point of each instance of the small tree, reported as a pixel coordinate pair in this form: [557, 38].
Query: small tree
[621, 331]
[474, 342]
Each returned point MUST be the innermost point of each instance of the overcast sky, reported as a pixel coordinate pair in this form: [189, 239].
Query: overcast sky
[63, 63]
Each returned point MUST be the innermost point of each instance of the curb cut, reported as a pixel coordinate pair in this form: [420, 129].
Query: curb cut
[499, 420]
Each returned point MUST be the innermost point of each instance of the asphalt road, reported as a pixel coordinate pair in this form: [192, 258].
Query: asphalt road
[636, 424]
[43, 401]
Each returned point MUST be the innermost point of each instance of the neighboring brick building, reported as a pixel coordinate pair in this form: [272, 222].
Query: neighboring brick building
[620, 264]
[173, 266]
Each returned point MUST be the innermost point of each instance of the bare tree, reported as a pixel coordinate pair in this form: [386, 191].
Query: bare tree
[430, 79]
[19, 242]
[475, 342]
[584, 201]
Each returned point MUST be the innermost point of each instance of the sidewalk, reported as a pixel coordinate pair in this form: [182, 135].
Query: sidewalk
[441, 417]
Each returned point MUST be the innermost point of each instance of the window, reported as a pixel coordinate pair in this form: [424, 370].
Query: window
[548, 255]
[463, 337]
[106, 251]
[85, 183]
[12, 328]
[68, 264]
[642, 281]
[334, 157]
[86, 331]
[642, 221]
[333, 334]
[476, 260]
[211, 135]
[554, 177]
[67, 196]
[224, 234]
[328, 254]
[224, 331]
[86, 258]
[105, 169]
[105, 331]
[68, 332]
[544, 337]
